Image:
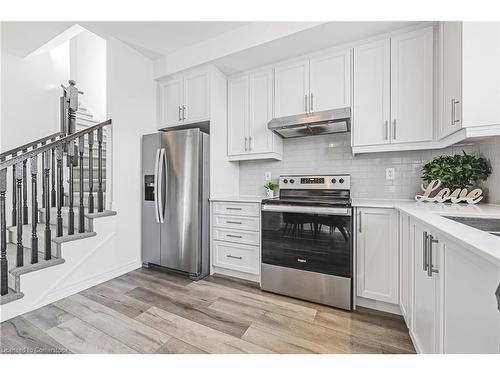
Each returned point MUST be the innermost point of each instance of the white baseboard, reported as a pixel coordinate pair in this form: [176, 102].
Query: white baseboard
[237, 274]
[378, 305]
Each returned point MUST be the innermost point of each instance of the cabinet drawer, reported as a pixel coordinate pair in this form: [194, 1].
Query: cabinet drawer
[249, 238]
[237, 208]
[238, 257]
[237, 222]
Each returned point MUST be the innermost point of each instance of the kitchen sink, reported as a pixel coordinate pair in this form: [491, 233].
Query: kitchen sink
[487, 225]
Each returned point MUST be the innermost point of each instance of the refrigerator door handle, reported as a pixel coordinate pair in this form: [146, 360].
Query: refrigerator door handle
[162, 161]
[157, 177]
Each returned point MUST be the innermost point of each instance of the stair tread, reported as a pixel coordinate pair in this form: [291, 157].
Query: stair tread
[41, 234]
[11, 296]
[42, 263]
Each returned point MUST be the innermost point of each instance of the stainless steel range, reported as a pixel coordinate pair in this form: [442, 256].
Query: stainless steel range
[307, 249]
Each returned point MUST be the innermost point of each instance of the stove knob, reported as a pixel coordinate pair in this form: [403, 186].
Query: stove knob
[292, 181]
[341, 180]
[285, 181]
[334, 180]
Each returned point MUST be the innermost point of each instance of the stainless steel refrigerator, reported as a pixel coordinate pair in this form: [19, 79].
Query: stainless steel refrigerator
[175, 201]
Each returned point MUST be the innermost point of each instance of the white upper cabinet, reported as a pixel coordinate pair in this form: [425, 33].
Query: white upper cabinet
[184, 99]
[237, 115]
[291, 87]
[250, 108]
[377, 254]
[412, 86]
[371, 101]
[451, 77]
[197, 96]
[260, 111]
[330, 81]
[171, 101]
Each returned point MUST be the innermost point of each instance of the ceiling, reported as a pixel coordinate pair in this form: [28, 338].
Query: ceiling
[153, 39]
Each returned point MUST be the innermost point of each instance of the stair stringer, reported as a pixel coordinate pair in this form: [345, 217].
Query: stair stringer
[88, 262]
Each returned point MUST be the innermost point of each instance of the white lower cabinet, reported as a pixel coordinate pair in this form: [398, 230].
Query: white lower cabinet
[425, 328]
[470, 315]
[405, 267]
[235, 249]
[377, 254]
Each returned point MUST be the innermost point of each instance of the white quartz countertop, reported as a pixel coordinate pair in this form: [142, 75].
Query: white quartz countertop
[239, 198]
[482, 243]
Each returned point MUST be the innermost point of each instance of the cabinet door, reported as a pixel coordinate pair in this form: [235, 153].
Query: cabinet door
[451, 72]
[170, 106]
[291, 89]
[377, 254]
[261, 107]
[237, 115]
[371, 100]
[412, 86]
[197, 96]
[330, 85]
[471, 318]
[425, 325]
[405, 267]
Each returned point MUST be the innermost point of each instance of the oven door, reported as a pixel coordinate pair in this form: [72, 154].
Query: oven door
[316, 239]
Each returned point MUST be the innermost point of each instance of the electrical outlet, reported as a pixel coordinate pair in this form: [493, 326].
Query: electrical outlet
[268, 176]
[389, 174]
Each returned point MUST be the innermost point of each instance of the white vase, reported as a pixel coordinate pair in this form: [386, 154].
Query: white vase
[270, 193]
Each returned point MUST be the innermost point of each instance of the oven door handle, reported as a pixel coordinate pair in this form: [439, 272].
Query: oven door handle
[308, 209]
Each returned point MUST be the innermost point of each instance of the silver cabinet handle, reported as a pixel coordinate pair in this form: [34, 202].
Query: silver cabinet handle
[386, 124]
[246, 144]
[233, 236]
[359, 222]
[452, 111]
[234, 257]
[250, 143]
[301, 260]
[430, 268]
[234, 208]
[180, 110]
[455, 120]
[234, 222]
[424, 251]
[312, 101]
[183, 112]
[394, 129]
[305, 103]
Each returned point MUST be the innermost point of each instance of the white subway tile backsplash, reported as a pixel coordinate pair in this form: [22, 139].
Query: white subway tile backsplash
[312, 155]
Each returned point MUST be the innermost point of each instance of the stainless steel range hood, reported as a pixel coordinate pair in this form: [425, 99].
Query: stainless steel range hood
[316, 123]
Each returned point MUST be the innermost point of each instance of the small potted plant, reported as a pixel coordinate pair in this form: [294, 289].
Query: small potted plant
[457, 171]
[270, 186]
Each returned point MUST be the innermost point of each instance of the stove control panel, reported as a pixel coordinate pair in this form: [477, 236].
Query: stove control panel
[325, 182]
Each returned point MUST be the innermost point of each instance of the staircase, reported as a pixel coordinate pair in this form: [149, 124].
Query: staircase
[45, 222]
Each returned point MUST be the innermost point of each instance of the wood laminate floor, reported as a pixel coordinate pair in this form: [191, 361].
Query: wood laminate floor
[146, 311]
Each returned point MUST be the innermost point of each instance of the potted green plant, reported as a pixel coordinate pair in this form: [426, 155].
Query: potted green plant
[270, 186]
[457, 171]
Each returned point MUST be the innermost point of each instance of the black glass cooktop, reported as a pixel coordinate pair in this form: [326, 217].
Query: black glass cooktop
[310, 201]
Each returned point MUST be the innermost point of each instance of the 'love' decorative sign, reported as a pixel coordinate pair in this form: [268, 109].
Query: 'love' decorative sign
[445, 194]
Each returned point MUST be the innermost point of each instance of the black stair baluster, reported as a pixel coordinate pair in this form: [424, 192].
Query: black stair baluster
[48, 234]
[53, 179]
[44, 188]
[34, 210]
[25, 192]
[14, 196]
[91, 172]
[100, 197]
[71, 213]
[60, 192]
[81, 208]
[19, 219]
[4, 287]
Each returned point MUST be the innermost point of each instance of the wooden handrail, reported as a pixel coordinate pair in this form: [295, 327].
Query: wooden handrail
[30, 144]
[61, 141]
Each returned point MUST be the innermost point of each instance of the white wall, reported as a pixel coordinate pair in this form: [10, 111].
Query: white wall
[131, 106]
[30, 94]
[88, 69]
